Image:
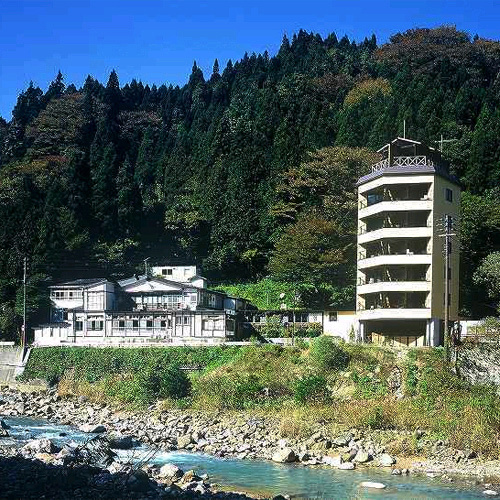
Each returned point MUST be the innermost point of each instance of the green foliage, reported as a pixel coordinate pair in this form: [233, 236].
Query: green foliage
[93, 364]
[328, 355]
[311, 389]
[161, 382]
[488, 275]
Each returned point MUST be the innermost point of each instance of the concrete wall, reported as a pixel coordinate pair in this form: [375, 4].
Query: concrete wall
[12, 362]
[341, 326]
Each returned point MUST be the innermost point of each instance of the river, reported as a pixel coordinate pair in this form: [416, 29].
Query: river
[261, 476]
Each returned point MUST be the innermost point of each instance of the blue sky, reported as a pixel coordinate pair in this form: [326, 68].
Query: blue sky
[157, 41]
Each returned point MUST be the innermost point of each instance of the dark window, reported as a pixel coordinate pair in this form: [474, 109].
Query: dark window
[332, 316]
[121, 323]
[449, 195]
[149, 323]
[449, 247]
[163, 324]
[78, 326]
[135, 323]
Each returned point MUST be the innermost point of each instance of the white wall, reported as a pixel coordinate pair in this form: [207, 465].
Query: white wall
[341, 327]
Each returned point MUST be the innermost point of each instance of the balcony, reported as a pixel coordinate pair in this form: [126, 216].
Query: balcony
[408, 258]
[395, 206]
[373, 286]
[395, 232]
[401, 313]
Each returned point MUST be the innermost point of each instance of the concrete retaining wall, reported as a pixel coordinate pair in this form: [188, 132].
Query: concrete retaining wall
[13, 359]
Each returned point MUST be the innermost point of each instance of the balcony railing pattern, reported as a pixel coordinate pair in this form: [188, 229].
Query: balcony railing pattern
[399, 225]
[364, 204]
[371, 281]
[362, 256]
[403, 161]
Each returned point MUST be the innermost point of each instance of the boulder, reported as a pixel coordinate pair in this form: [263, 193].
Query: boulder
[190, 477]
[385, 460]
[343, 440]
[170, 472]
[121, 442]
[40, 446]
[183, 441]
[333, 461]
[370, 484]
[4, 425]
[93, 428]
[285, 455]
[361, 457]
[346, 466]
[490, 493]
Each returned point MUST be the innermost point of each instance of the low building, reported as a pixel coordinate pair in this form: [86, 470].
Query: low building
[141, 309]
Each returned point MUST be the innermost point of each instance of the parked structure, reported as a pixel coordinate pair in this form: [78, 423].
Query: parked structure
[141, 309]
[401, 268]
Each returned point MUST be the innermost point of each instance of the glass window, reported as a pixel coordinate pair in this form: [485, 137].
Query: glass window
[449, 195]
[332, 316]
[135, 324]
[149, 323]
[78, 326]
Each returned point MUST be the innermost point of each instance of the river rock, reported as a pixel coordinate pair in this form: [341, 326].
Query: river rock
[385, 460]
[40, 446]
[4, 425]
[491, 493]
[343, 440]
[346, 466]
[93, 428]
[183, 441]
[370, 484]
[190, 477]
[361, 457]
[285, 455]
[120, 442]
[170, 472]
[333, 461]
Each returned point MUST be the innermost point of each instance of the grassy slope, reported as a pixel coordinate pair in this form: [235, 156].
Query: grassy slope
[297, 385]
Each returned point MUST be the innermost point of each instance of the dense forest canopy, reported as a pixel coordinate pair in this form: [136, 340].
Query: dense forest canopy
[247, 172]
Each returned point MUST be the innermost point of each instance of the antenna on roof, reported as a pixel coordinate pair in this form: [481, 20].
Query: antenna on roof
[404, 129]
[146, 266]
[442, 141]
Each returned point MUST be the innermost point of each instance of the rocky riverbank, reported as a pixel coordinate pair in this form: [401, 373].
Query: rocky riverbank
[248, 436]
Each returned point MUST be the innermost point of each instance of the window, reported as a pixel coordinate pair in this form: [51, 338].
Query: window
[121, 323]
[149, 323]
[182, 320]
[332, 316]
[449, 195]
[96, 325]
[166, 272]
[163, 324]
[135, 324]
[78, 326]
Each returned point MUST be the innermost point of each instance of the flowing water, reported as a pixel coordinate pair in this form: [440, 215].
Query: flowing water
[267, 477]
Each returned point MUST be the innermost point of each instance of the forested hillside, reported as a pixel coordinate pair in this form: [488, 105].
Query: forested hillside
[248, 172]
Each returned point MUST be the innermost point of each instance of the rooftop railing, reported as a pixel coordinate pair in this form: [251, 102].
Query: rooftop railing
[403, 161]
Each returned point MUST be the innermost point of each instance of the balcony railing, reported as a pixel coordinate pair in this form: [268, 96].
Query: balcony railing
[399, 225]
[371, 281]
[362, 255]
[372, 307]
[364, 204]
[403, 161]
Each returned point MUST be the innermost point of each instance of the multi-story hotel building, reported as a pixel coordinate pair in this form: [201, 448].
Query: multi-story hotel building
[401, 270]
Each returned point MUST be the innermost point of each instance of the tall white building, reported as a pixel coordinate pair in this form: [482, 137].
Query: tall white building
[401, 264]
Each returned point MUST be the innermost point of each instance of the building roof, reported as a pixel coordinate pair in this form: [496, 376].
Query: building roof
[83, 283]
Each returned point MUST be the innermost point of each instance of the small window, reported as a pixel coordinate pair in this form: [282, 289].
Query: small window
[163, 324]
[332, 316]
[149, 323]
[79, 326]
[449, 195]
[121, 323]
[169, 272]
[164, 272]
[135, 324]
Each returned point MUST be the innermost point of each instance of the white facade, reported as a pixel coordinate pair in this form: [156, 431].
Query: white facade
[139, 309]
[180, 274]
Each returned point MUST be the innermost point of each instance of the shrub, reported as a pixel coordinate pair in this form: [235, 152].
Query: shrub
[327, 354]
[311, 388]
[163, 382]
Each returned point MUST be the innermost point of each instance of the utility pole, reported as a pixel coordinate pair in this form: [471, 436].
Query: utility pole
[448, 224]
[146, 266]
[23, 338]
[442, 141]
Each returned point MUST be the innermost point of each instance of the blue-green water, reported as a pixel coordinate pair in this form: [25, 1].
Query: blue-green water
[258, 475]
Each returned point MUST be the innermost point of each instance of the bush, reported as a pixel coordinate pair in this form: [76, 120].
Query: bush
[164, 382]
[327, 354]
[311, 330]
[309, 389]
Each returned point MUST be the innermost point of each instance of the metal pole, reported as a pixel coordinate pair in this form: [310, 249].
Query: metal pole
[23, 339]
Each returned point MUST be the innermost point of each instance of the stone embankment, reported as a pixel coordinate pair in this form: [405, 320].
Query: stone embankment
[252, 437]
